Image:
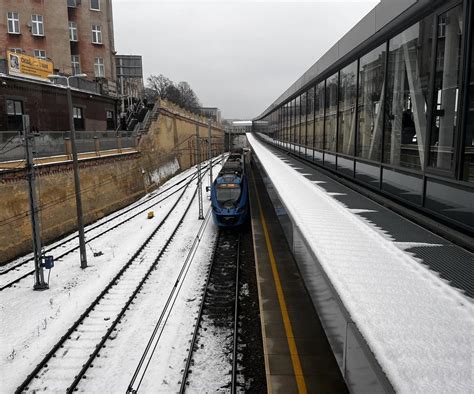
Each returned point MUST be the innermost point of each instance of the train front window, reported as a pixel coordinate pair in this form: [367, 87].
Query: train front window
[225, 193]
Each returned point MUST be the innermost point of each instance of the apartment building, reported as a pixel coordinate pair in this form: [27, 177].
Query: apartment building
[76, 35]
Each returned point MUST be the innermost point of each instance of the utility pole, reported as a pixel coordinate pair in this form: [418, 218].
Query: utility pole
[40, 284]
[209, 147]
[77, 182]
[199, 183]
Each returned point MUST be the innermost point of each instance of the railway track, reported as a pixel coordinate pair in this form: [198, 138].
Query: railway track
[18, 272]
[174, 298]
[67, 363]
[219, 310]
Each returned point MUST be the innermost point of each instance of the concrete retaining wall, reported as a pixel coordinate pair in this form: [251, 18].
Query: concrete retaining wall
[108, 183]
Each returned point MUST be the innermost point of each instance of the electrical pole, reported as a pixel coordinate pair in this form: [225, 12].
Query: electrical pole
[77, 183]
[199, 184]
[40, 284]
[209, 148]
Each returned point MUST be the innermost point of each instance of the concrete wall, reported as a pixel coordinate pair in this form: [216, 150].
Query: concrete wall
[172, 132]
[107, 183]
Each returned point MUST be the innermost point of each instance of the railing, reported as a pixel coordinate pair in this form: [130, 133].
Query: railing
[56, 143]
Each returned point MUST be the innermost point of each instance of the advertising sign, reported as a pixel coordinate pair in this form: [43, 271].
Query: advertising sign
[28, 66]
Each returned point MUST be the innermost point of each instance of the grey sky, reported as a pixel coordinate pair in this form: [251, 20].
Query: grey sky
[236, 55]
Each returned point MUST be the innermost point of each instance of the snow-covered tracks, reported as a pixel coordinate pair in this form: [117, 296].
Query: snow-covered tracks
[218, 316]
[169, 304]
[66, 364]
[16, 272]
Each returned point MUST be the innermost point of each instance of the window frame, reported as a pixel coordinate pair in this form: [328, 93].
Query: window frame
[38, 25]
[14, 120]
[73, 33]
[98, 65]
[75, 69]
[95, 9]
[39, 56]
[14, 22]
[97, 34]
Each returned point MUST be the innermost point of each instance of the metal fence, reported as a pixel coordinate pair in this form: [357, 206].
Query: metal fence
[55, 143]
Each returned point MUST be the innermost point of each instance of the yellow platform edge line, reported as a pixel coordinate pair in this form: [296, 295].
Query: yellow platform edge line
[295, 359]
[262, 317]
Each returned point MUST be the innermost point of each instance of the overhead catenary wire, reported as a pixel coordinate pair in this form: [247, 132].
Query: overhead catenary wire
[7, 143]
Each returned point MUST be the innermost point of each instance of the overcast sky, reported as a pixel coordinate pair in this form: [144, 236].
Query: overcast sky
[236, 55]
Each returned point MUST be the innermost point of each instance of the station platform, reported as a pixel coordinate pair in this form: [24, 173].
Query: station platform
[391, 299]
[297, 354]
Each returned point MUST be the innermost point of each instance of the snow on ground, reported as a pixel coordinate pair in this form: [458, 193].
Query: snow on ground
[112, 371]
[32, 322]
[419, 328]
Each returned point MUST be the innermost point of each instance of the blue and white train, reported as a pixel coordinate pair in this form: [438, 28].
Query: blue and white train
[229, 193]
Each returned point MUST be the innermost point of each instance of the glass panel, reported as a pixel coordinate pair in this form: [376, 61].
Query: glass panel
[345, 166]
[331, 113]
[303, 139]
[468, 162]
[368, 173]
[371, 92]
[319, 116]
[407, 96]
[10, 107]
[18, 108]
[453, 201]
[446, 91]
[347, 109]
[297, 121]
[310, 118]
[290, 121]
[227, 194]
[406, 186]
[293, 122]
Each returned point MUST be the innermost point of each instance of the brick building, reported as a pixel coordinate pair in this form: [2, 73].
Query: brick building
[77, 35]
[74, 37]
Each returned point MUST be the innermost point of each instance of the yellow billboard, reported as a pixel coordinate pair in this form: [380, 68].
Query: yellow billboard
[28, 66]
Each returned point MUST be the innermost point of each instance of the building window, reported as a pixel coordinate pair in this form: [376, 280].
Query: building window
[96, 34]
[75, 64]
[446, 92]
[72, 31]
[408, 89]
[14, 115]
[110, 120]
[78, 115]
[319, 117]
[99, 68]
[17, 50]
[40, 53]
[310, 119]
[95, 5]
[347, 109]
[37, 25]
[468, 162]
[442, 26]
[13, 20]
[331, 113]
[371, 88]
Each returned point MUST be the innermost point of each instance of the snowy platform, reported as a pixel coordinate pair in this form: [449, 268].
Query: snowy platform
[417, 324]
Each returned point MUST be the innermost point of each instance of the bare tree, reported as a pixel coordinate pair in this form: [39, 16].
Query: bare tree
[173, 94]
[181, 94]
[188, 97]
[159, 84]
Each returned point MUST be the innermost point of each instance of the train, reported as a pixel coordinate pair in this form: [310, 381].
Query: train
[230, 194]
